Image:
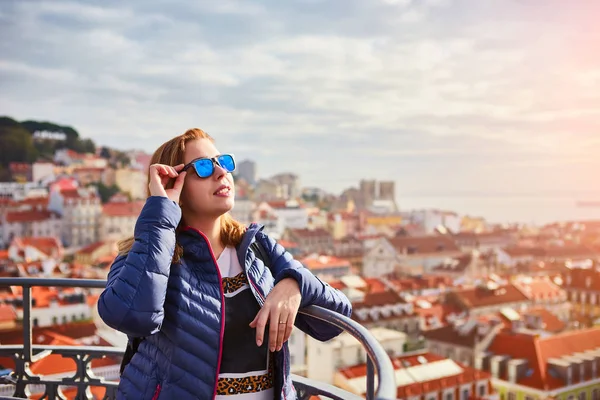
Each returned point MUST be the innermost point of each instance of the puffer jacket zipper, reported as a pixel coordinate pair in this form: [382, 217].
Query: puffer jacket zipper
[222, 331]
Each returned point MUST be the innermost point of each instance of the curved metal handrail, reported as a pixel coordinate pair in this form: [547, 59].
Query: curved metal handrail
[54, 282]
[378, 362]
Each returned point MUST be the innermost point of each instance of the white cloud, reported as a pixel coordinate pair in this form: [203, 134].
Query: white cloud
[419, 80]
[80, 10]
[39, 72]
[399, 3]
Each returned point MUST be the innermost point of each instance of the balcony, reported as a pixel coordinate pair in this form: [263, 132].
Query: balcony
[380, 372]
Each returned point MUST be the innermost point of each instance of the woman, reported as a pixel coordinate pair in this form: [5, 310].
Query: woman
[215, 319]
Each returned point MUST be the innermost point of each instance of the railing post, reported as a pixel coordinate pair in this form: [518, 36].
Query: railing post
[27, 330]
[370, 379]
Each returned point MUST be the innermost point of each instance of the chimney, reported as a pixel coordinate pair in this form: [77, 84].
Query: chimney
[588, 363]
[498, 365]
[534, 321]
[561, 369]
[595, 367]
[516, 369]
[482, 361]
[517, 324]
[577, 368]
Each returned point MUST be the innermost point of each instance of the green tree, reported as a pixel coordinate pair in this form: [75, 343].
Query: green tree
[72, 140]
[85, 146]
[72, 136]
[4, 174]
[45, 147]
[122, 159]
[106, 192]
[16, 144]
[105, 152]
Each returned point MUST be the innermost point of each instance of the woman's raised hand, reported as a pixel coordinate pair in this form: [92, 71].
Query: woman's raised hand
[160, 175]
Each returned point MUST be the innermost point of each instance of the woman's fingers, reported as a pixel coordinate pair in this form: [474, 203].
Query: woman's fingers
[282, 323]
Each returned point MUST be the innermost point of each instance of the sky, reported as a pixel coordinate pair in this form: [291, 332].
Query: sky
[446, 97]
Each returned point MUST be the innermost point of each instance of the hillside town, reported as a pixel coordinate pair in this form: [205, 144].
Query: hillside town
[465, 309]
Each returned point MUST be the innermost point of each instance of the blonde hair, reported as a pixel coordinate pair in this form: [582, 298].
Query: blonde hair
[172, 153]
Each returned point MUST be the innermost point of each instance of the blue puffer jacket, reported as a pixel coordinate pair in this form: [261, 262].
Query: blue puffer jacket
[178, 308]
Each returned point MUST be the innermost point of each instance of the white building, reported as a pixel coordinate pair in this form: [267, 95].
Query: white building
[430, 220]
[273, 225]
[80, 210]
[277, 216]
[32, 223]
[411, 255]
[297, 346]
[292, 214]
[132, 181]
[70, 157]
[117, 220]
[246, 170]
[42, 171]
[289, 185]
[67, 157]
[425, 376]
[31, 249]
[326, 358]
[18, 191]
[57, 314]
[243, 211]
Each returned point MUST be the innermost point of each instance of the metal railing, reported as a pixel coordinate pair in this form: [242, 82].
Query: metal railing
[379, 365]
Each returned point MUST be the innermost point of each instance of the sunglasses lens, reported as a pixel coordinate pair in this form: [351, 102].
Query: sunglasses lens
[227, 162]
[204, 168]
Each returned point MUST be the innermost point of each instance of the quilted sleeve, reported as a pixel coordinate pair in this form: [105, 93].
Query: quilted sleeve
[133, 299]
[313, 290]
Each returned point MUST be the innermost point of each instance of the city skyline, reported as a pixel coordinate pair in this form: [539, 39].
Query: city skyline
[443, 97]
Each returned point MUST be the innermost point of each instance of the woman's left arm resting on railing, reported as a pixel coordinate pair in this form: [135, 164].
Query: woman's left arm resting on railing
[313, 290]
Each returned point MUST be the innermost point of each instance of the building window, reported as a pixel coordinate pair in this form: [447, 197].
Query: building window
[528, 398]
[482, 390]
[512, 396]
[64, 319]
[54, 320]
[449, 396]
[35, 322]
[338, 362]
[596, 394]
[582, 395]
[465, 394]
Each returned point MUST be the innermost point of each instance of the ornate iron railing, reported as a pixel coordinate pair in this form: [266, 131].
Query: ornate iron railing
[379, 365]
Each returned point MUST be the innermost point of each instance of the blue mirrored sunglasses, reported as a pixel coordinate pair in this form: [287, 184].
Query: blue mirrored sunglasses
[205, 167]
